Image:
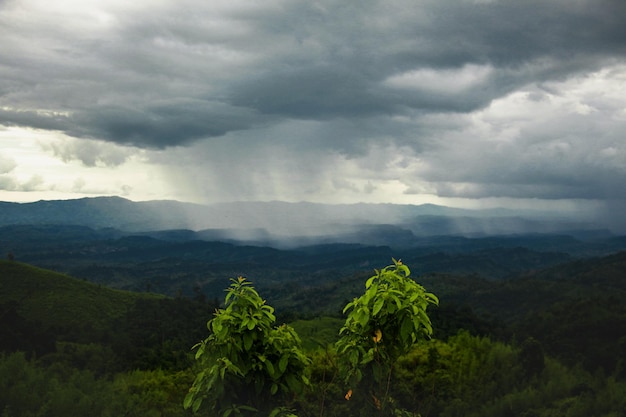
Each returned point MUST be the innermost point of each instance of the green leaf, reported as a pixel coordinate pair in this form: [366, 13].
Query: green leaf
[281, 412]
[293, 383]
[432, 298]
[248, 408]
[368, 357]
[188, 399]
[200, 350]
[270, 368]
[348, 306]
[282, 364]
[406, 328]
[354, 358]
[362, 318]
[397, 301]
[275, 412]
[404, 269]
[196, 404]
[424, 317]
[378, 304]
[247, 341]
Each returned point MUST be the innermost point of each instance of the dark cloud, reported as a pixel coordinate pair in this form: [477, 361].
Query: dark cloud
[158, 126]
[510, 34]
[45, 120]
[347, 54]
[176, 73]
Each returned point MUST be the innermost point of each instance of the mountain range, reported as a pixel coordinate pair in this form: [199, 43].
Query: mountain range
[293, 224]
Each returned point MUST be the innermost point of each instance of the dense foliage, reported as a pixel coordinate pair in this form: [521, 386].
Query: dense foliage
[546, 344]
[246, 360]
[382, 325]
[29, 388]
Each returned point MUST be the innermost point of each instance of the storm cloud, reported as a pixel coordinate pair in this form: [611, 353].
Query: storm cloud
[171, 73]
[460, 99]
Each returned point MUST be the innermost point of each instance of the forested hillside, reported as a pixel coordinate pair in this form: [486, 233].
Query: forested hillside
[549, 341]
[56, 317]
[174, 262]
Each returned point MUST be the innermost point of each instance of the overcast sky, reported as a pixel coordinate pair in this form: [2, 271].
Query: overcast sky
[470, 103]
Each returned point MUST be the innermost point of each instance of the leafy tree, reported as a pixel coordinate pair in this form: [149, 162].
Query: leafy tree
[246, 364]
[383, 324]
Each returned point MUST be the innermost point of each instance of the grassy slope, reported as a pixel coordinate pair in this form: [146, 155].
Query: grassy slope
[58, 300]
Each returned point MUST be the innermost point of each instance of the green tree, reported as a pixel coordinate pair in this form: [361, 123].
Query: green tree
[247, 365]
[382, 324]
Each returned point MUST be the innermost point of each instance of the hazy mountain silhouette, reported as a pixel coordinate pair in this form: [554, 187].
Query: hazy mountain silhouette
[287, 223]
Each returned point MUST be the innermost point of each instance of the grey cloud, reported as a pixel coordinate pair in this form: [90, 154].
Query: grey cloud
[79, 184]
[576, 157]
[177, 73]
[7, 164]
[158, 126]
[33, 119]
[369, 188]
[90, 153]
[590, 190]
[311, 93]
[7, 183]
[515, 33]
[351, 52]
[342, 184]
[35, 182]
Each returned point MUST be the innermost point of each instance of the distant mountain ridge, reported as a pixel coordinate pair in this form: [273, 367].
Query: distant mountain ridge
[271, 222]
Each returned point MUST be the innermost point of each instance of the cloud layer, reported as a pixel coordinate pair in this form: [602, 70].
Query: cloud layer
[171, 73]
[310, 99]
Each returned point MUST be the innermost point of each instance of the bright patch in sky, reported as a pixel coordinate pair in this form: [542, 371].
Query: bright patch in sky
[449, 81]
[38, 165]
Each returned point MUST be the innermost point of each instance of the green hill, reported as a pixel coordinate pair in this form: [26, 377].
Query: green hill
[81, 324]
[61, 301]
